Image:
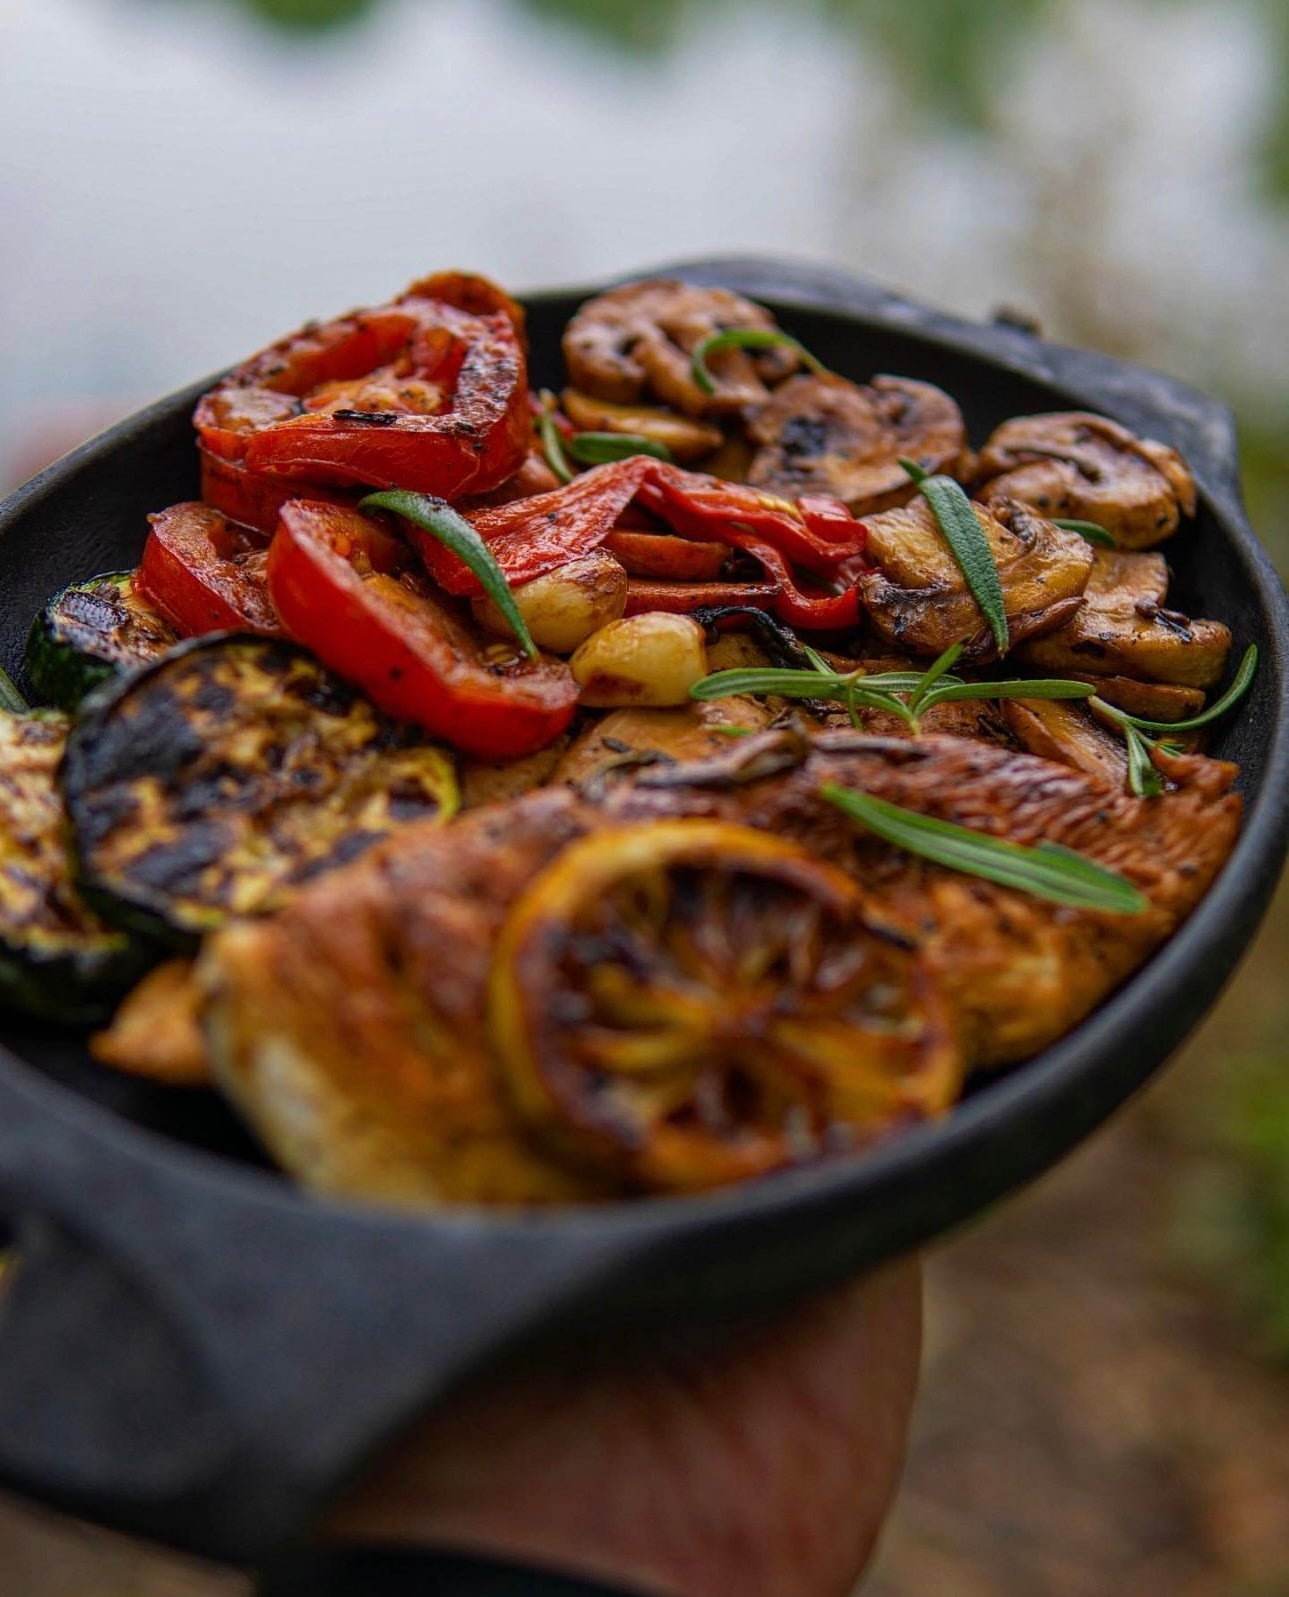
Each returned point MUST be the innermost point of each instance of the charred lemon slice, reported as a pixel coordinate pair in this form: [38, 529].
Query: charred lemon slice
[687, 1003]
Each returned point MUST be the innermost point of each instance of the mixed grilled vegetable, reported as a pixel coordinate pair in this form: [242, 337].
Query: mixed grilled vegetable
[809, 759]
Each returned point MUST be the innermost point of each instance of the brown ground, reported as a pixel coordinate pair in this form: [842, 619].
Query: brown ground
[1094, 1421]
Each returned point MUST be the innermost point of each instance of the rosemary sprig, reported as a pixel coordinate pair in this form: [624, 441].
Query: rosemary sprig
[1240, 685]
[11, 701]
[454, 532]
[552, 443]
[1139, 734]
[970, 548]
[595, 449]
[748, 338]
[1046, 871]
[1088, 530]
[907, 694]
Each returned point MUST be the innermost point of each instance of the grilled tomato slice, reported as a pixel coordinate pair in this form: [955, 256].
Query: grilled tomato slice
[685, 1003]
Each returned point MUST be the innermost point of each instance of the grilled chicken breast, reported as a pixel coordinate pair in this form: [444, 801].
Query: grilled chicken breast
[352, 1028]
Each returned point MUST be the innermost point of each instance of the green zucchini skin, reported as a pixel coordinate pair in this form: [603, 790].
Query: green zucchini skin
[90, 632]
[58, 960]
[210, 784]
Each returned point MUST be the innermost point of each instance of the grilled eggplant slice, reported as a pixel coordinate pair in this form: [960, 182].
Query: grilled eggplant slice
[214, 782]
[89, 632]
[58, 960]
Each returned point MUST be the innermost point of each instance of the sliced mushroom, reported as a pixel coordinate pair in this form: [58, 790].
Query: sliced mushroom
[686, 438]
[919, 601]
[1122, 629]
[639, 339]
[1059, 730]
[1072, 464]
[1156, 701]
[827, 435]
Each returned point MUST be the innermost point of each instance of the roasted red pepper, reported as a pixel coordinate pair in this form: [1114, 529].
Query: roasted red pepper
[421, 394]
[681, 598]
[331, 574]
[820, 536]
[664, 556]
[203, 574]
[533, 536]
[255, 498]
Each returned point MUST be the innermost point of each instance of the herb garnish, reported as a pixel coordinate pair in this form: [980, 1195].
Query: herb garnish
[967, 542]
[1143, 778]
[1045, 871]
[454, 532]
[1088, 530]
[552, 443]
[748, 338]
[907, 694]
[11, 701]
[595, 449]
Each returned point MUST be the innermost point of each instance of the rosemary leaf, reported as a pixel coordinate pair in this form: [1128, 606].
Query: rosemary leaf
[1144, 781]
[933, 674]
[594, 449]
[1013, 688]
[1048, 871]
[454, 532]
[1239, 687]
[970, 548]
[1088, 530]
[747, 338]
[11, 701]
[552, 443]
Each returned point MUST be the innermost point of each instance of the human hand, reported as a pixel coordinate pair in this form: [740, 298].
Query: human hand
[761, 1466]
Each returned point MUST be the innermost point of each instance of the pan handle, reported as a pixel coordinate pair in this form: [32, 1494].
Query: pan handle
[203, 1357]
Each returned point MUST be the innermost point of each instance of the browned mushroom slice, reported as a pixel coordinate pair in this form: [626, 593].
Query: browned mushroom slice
[639, 339]
[918, 599]
[1065, 732]
[1156, 701]
[827, 435]
[1075, 465]
[685, 438]
[1122, 629]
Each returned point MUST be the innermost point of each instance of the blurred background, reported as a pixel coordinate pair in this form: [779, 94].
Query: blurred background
[1106, 1410]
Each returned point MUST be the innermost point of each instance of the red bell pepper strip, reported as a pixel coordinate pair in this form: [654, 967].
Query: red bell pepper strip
[533, 536]
[536, 535]
[200, 572]
[663, 555]
[819, 534]
[420, 394]
[330, 571]
[254, 499]
[681, 598]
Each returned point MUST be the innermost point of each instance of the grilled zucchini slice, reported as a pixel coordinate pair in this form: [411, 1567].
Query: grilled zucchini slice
[89, 632]
[58, 960]
[212, 783]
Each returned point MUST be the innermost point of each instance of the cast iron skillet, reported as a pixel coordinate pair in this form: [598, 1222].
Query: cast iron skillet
[196, 1351]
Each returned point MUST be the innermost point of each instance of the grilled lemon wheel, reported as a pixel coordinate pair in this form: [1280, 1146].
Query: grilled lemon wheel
[687, 1003]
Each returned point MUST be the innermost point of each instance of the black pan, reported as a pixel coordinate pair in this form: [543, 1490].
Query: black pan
[196, 1351]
